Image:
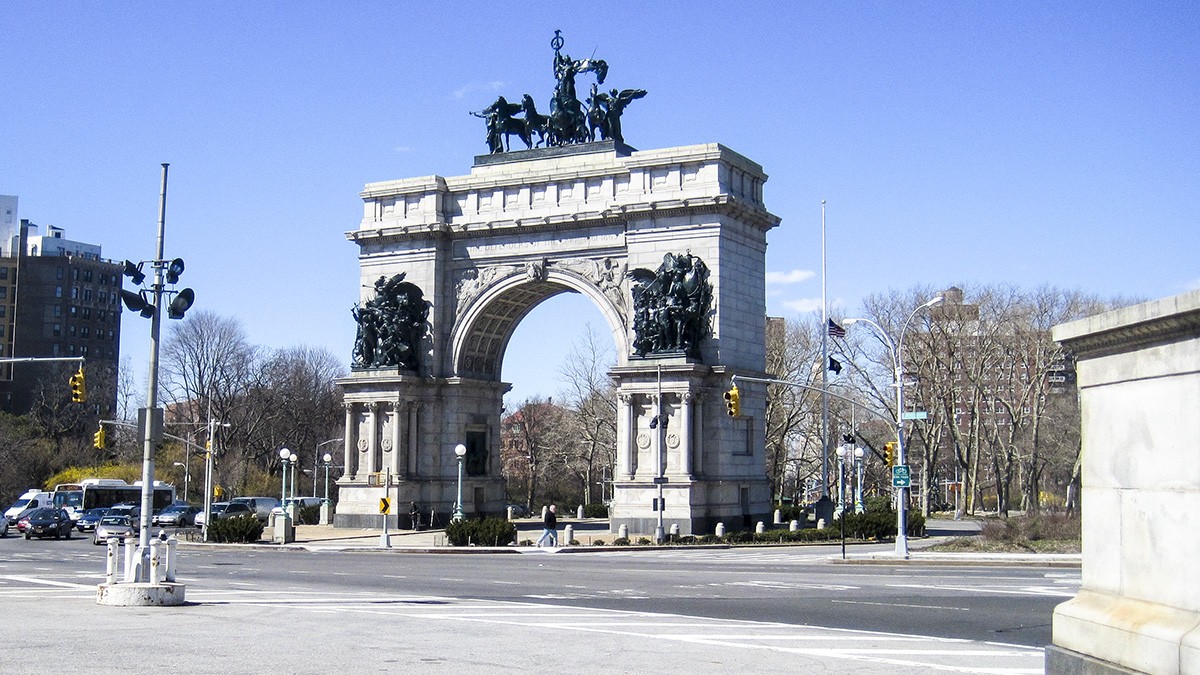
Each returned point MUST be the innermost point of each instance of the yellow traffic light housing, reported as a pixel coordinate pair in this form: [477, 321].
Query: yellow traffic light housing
[78, 387]
[733, 403]
[890, 450]
[99, 439]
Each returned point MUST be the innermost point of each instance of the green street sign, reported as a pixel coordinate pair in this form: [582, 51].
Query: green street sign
[901, 477]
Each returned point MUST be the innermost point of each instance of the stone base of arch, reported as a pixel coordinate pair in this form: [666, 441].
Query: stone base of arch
[400, 435]
[675, 439]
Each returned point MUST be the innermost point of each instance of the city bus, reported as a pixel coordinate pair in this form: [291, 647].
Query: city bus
[91, 493]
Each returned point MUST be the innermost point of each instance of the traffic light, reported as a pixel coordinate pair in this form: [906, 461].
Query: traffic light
[890, 450]
[78, 388]
[99, 439]
[733, 402]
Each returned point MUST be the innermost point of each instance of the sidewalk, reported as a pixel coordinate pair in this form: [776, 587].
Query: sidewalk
[329, 538]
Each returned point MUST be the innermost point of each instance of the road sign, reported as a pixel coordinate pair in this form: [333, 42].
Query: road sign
[900, 476]
[385, 505]
[660, 480]
[915, 415]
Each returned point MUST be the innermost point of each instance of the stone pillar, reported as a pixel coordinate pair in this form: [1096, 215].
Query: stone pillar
[372, 436]
[685, 433]
[348, 445]
[627, 431]
[1138, 606]
[414, 408]
[393, 459]
[697, 447]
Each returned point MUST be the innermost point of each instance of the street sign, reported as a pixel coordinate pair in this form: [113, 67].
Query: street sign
[915, 415]
[901, 477]
[385, 505]
[660, 480]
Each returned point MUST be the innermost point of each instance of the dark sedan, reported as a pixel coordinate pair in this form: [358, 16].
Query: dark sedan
[89, 519]
[49, 522]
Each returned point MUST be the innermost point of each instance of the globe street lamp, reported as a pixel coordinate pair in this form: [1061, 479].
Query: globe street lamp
[859, 454]
[284, 456]
[896, 352]
[325, 502]
[460, 452]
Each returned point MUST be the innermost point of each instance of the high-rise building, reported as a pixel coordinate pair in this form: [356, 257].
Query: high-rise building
[58, 298]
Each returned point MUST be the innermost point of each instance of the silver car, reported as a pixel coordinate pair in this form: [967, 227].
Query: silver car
[112, 526]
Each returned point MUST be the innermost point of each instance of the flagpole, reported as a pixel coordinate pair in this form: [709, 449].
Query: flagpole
[824, 368]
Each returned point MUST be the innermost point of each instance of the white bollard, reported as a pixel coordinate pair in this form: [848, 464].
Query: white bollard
[720, 531]
[510, 513]
[760, 528]
[171, 549]
[623, 532]
[820, 523]
[674, 530]
[154, 561]
[794, 525]
[568, 535]
[110, 568]
[579, 512]
[778, 517]
[129, 556]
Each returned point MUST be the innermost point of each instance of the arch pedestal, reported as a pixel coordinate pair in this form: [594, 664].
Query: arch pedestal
[488, 247]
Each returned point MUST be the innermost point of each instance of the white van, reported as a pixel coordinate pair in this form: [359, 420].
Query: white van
[32, 499]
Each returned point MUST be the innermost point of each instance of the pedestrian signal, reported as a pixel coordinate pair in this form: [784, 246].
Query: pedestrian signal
[733, 403]
[78, 387]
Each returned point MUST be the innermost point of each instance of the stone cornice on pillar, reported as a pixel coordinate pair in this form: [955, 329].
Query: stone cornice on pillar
[1158, 322]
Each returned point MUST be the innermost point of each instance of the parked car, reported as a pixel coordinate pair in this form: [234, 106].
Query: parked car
[112, 526]
[518, 510]
[90, 519]
[49, 522]
[176, 515]
[260, 506]
[224, 510]
[23, 523]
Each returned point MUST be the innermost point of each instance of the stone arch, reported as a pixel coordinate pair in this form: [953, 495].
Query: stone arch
[483, 329]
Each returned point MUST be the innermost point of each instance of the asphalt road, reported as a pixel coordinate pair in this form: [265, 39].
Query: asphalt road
[725, 609]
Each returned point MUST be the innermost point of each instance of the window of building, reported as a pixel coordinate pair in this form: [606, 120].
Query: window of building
[74, 310]
[3, 272]
[87, 313]
[75, 274]
[83, 350]
[71, 331]
[58, 330]
[58, 291]
[58, 311]
[71, 350]
[3, 310]
[87, 275]
[3, 292]
[87, 295]
[85, 332]
[55, 349]
[74, 293]
[58, 273]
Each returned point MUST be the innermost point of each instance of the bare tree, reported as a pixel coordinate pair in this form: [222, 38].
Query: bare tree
[591, 410]
[531, 436]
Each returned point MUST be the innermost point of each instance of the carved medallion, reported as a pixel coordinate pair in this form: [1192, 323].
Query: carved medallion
[386, 444]
[362, 445]
[672, 440]
[643, 441]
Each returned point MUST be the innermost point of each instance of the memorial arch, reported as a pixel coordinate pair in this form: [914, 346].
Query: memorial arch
[479, 251]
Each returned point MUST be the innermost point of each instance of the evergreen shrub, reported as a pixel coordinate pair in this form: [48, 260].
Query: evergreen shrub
[236, 530]
[481, 532]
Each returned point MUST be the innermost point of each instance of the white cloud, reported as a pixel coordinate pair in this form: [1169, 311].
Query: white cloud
[790, 277]
[473, 87]
[803, 305]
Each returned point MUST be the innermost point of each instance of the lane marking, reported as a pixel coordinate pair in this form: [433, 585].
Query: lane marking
[896, 604]
[47, 582]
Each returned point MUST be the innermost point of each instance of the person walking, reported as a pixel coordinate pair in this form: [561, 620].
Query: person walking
[550, 525]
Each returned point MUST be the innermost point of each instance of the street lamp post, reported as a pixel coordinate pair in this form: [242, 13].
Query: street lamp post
[896, 354]
[284, 456]
[187, 475]
[460, 452]
[841, 482]
[859, 455]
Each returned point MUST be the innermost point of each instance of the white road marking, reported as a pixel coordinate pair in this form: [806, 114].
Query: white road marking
[896, 604]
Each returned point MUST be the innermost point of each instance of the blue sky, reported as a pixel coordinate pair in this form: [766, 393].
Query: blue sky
[955, 142]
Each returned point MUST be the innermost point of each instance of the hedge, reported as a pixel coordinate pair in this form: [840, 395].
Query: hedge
[481, 532]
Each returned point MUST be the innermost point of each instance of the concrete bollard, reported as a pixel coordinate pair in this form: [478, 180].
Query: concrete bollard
[110, 568]
[568, 535]
[820, 523]
[674, 529]
[154, 561]
[509, 511]
[794, 525]
[623, 532]
[172, 543]
[760, 528]
[778, 517]
[720, 531]
[579, 512]
[130, 570]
